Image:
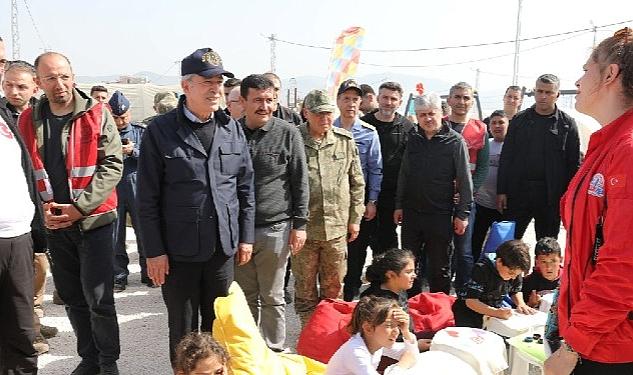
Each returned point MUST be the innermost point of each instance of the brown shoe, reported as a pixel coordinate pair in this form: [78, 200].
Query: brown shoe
[48, 332]
[57, 299]
[41, 345]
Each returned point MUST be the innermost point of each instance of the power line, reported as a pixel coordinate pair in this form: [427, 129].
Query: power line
[460, 46]
[37, 30]
[470, 61]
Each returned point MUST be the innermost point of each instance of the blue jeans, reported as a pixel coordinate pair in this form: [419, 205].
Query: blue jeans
[463, 254]
[83, 273]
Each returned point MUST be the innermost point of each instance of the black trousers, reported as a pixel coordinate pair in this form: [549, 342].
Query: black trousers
[385, 233]
[17, 331]
[81, 262]
[484, 217]
[532, 204]
[189, 292]
[429, 237]
[356, 255]
[126, 193]
[465, 317]
[587, 367]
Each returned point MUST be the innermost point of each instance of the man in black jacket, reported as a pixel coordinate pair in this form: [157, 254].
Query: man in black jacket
[393, 131]
[435, 163]
[195, 198]
[540, 155]
[21, 232]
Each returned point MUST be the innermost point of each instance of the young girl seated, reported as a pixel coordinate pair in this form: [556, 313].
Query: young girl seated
[199, 354]
[375, 325]
[390, 275]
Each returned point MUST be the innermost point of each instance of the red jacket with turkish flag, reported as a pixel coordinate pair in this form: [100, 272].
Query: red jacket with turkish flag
[595, 306]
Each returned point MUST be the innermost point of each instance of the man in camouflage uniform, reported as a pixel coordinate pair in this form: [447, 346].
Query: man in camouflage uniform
[337, 194]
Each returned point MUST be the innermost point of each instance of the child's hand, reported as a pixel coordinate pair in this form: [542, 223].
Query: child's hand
[534, 299]
[503, 313]
[525, 309]
[402, 319]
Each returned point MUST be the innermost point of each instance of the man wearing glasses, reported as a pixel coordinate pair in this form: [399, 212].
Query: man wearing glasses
[76, 154]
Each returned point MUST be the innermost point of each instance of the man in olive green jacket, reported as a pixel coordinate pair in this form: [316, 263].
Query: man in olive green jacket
[337, 195]
[76, 152]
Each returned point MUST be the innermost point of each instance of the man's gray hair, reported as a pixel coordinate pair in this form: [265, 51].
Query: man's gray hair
[187, 77]
[460, 86]
[549, 79]
[428, 101]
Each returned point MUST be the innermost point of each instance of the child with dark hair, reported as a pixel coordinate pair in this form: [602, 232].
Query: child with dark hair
[490, 282]
[545, 278]
[375, 325]
[199, 353]
[390, 275]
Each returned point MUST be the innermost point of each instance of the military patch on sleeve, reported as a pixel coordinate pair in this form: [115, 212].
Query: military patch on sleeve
[596, 186]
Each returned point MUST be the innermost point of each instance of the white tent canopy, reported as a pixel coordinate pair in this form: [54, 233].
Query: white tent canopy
[141, 96]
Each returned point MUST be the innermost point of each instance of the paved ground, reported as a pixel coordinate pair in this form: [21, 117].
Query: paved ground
[143, 327]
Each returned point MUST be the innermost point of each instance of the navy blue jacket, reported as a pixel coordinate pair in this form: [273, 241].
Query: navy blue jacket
[186, 198]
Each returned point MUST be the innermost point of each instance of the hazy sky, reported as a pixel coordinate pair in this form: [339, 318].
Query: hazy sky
[125, 37]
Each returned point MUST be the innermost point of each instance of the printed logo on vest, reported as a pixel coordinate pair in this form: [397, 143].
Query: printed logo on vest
[596, 186]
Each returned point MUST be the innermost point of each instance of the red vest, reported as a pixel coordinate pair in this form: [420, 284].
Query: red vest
[475, 134]
[81, 156]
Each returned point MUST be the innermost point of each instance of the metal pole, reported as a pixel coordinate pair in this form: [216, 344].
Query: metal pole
[515, 73]
[273, 53]
[15, 32]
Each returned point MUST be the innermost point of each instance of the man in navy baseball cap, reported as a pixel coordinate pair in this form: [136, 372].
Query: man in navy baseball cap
[204, 62]
[195, 168]
[119, 103]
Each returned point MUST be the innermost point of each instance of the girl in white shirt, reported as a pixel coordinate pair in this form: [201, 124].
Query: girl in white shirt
[375, 325]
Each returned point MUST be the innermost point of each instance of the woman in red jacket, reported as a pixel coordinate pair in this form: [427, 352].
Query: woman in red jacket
[595, 306]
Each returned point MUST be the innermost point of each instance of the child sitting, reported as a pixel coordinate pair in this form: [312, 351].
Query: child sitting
[375, 325]
[390, 275]
[490, 282]
[544, 279]
[199, 353]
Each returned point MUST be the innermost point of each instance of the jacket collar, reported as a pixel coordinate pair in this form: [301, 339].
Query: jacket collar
[82, 103]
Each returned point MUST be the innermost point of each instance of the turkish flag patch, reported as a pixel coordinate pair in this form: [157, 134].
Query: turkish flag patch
[617, 181]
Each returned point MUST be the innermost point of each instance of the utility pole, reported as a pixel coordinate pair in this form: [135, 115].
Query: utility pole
[15, 33]
[515, 73]
[477, 79]
[273, 53]
[595, 31]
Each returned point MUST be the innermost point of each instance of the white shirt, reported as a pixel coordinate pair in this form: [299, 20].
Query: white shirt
[353, 358]
[16, 207]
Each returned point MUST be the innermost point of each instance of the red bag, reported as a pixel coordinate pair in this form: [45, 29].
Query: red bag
[327, 330]
[431, 311]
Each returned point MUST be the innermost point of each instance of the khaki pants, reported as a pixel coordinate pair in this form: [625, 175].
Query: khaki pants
[325, 260]
[40, 267]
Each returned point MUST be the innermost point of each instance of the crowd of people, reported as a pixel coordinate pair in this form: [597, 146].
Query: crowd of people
[252, 191]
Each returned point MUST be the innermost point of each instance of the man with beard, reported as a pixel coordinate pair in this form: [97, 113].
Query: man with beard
[393, 131]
